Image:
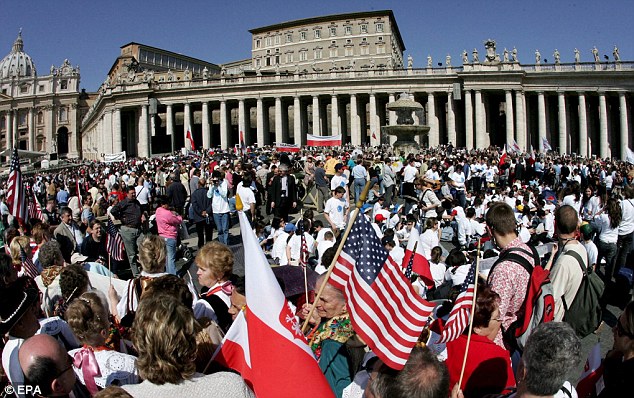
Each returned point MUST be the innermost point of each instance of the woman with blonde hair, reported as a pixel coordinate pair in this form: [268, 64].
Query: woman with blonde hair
[152, 257]
[21, 246]
[96, 365]
[215, 266]
[165, 337]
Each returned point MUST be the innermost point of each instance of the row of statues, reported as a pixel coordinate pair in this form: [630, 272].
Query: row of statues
[511, 56]
[594, 51]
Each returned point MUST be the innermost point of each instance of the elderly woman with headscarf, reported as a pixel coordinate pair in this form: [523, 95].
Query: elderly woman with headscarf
[331, 335]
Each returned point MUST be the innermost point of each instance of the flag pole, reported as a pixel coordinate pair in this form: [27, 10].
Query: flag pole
[301, 253]
[355, 213]
[475, 292]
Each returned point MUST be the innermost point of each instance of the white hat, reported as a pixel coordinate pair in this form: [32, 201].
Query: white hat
[77, 257]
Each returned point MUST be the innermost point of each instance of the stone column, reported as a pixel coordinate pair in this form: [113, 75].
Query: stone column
[224, 125]
[451, 120]
[15, 136]
[355, 133]
[106, 132]
[392, 114]
[432, 120]
[541, 118]
[563, 128]
[50, 128]
[31, 122]
[391, 119]
[298, 137]
[625, 144]
[374, 125]
[468, 111]
[206, 126]
[604, 148]
[316, 119]
[116, 131]
[187, 124]
[144, 133]
[260, 122]
[9, 129]
[242, 124]
[334, 115]
[520, 120]
[510, 133]
[279, 136]
[170, 124]
[583, 126]
[480, 122]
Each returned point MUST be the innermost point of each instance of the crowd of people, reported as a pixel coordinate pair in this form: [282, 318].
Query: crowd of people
[84, 316]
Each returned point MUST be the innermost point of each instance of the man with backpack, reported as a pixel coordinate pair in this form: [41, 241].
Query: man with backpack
[576, 287]
[507, 277]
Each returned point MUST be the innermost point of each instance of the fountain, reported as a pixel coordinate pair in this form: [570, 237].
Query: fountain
[405, 129]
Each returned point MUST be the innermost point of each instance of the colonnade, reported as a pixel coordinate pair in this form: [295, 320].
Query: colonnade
[582, 122]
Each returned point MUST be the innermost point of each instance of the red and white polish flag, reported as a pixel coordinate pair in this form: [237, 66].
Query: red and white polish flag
[323, 140]
[268, 347]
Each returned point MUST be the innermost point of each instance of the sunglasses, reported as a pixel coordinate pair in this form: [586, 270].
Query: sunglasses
[66, 369]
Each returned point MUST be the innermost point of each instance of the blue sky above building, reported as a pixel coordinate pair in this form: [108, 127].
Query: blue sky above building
[89, 33]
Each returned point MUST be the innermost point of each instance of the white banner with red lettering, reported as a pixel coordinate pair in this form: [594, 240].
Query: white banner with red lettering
[323, 140]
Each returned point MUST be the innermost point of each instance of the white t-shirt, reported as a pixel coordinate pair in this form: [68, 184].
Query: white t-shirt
[296, 244]
[338, 181]
[627, 222]
[142, 194]
[438, 272]
[246, 195]
[336, 210]
[428, 240]
[397, 254]
[457, 277]
[322, 247]
[592, 250]
[409, 174]
[458, 179]
[279, 248]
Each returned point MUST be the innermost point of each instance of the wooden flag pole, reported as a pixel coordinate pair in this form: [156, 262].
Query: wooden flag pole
[355, 213]
[475, 291]
[301, 253]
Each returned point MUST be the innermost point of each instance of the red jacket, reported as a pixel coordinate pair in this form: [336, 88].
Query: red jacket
[488, 369]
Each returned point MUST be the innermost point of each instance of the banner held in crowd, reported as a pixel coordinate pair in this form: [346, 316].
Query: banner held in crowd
[323, 140]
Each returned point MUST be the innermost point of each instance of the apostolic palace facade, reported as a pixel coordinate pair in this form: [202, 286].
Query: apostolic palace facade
[332, 75]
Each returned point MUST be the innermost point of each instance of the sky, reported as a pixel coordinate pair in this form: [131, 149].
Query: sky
[90, 33]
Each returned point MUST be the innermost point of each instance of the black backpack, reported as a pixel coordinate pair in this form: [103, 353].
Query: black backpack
[584, 313]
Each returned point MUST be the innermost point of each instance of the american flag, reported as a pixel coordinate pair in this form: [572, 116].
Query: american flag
[410, 265]
[114, 243]
[384, 309]
[27, 264]
[35, 210]
[16, 196]
[460, 313]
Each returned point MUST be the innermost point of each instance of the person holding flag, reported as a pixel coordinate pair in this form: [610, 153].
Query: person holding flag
[488, 367]
[16, 194]
[265, 343]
